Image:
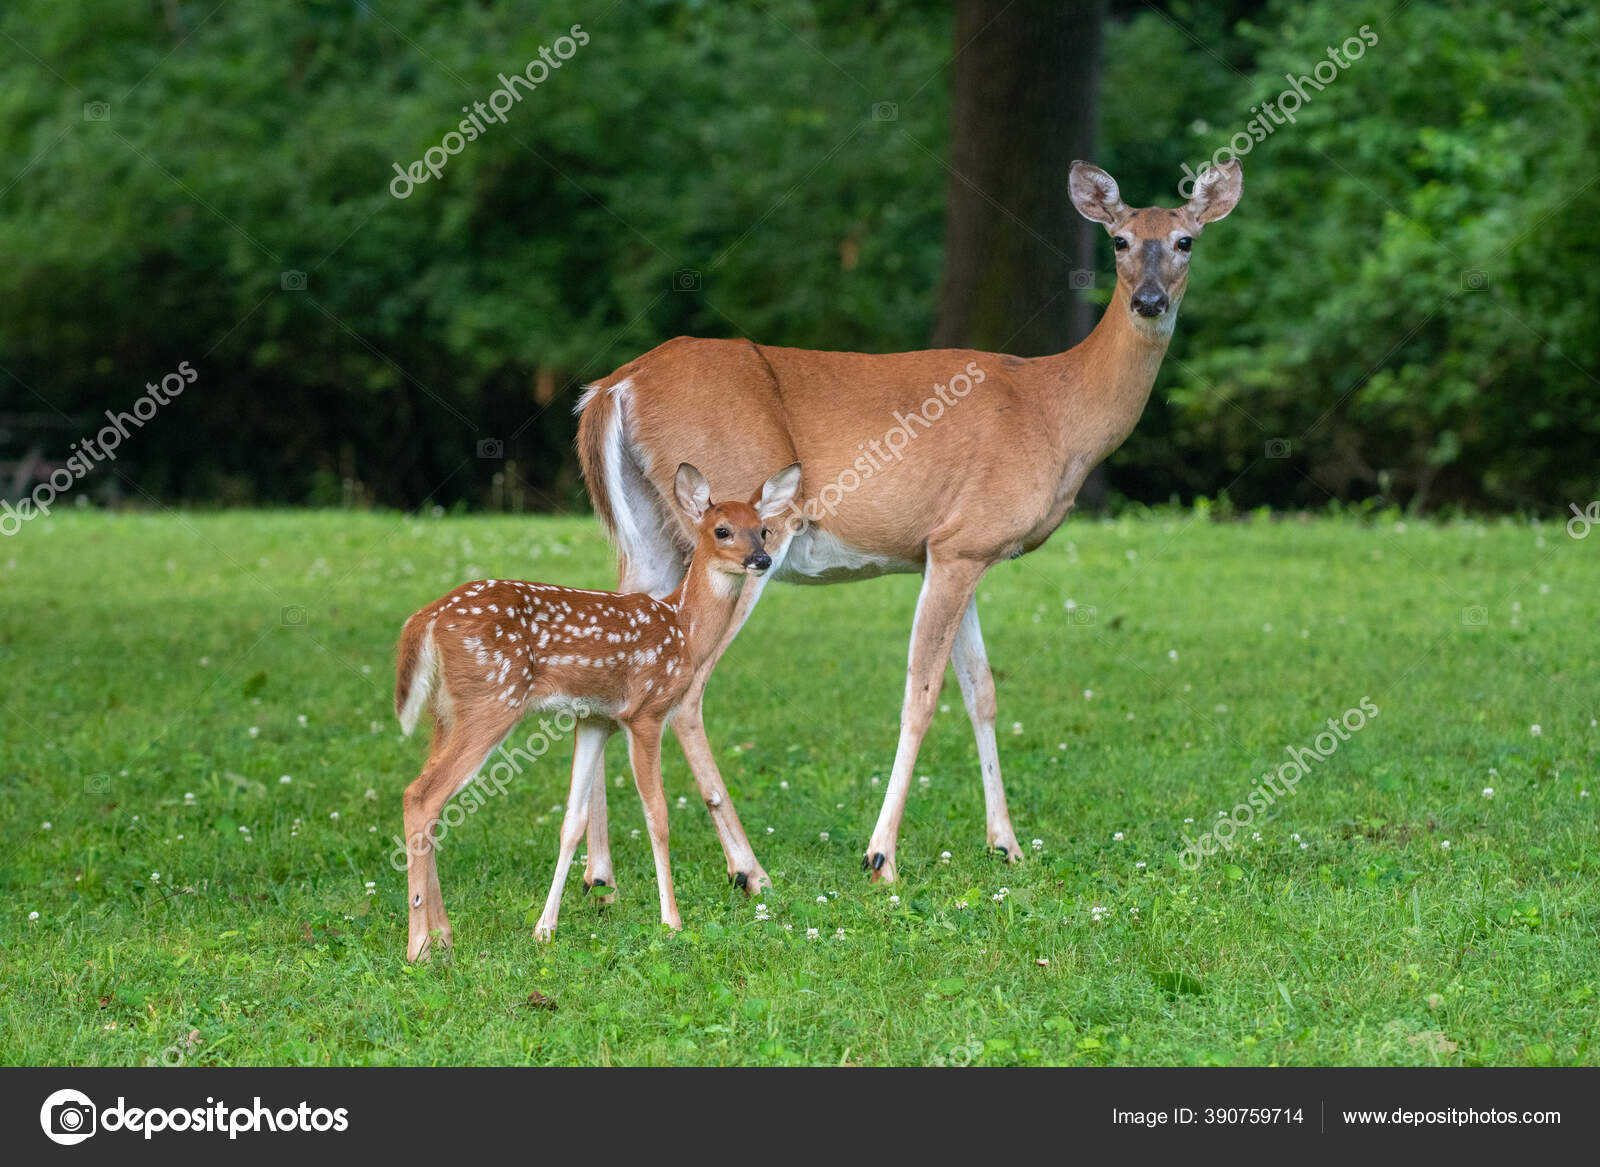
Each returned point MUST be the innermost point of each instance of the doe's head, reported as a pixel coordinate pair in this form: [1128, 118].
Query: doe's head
[732, 536]
[1153, 243]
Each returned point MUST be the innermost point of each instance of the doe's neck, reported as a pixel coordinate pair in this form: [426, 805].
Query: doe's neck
[1097, 389]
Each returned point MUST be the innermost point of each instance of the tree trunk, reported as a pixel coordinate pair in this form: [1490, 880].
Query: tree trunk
[1023, 108]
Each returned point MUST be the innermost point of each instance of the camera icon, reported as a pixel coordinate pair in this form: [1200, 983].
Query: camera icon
[292, 616]
[686, 279]
[68, 1117]
[1080, 278]
[97, 111]
[1474, 280]
[1279, 448]
[885, 111]
[491, 448]
[1083, 615]
[292, 281]
[97, 784]
[1474, 616]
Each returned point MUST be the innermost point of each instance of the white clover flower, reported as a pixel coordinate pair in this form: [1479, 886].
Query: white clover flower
[1536, 731]
[1172, 654]
[1488, 791]
[1116, 836]
[822, 899]
[823, 836]
[302, 719]
[1445, 845]
[1088, 694]
[285, 780]
[1043, 962]
[839, 934]
[333, 815]
[783, 785]
[894, 901]
[944, 856]
[771, 830]
[255, 731]
[1016, 728]
[1038, 844]
[1139, 866]
[924, 780]
[33, 915]
[45, 826]
[812, 933]
[155, 877]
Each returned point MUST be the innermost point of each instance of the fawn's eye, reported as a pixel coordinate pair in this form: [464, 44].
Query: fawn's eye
[1184, 244]
[722, 532]
[764, 533]
[1120, 243]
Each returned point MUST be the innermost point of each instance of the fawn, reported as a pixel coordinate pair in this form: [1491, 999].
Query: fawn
[493, 651]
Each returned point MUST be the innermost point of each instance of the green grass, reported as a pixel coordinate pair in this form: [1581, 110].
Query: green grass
[143, 658]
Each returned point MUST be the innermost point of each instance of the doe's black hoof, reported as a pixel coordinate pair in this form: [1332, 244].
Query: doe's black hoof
[877, 861]
[588, 887]
[1004, 853]
[741, 880]
[866, 863]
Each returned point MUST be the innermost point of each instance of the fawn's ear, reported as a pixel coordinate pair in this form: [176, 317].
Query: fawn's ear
[777, 492]
[1095, 194]
[694, 496]
[1216, 191]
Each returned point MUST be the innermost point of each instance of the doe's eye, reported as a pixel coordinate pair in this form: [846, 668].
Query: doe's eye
[722, 532]
[764, 534]
[1184, 244]
[1120, 243]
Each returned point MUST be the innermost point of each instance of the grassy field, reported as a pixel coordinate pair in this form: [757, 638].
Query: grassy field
[202, 776]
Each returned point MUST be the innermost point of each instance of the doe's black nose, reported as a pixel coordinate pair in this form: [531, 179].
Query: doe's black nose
[760, 561]
[1150, 303]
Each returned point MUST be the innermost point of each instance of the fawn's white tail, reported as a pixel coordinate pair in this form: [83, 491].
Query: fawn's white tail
[417, 675]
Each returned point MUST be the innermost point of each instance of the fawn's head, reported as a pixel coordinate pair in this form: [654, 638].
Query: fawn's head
[1153, 243]
[732, 536]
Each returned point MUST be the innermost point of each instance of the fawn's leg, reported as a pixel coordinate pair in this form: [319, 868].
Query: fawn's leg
[589, 743]
[947, 587]
[597, 871]
[644, 751]
[454, 758]
[977, 691]
[688, 724]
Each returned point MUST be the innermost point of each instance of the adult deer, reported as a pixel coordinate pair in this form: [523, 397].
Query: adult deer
[488, 654]
[949, 491]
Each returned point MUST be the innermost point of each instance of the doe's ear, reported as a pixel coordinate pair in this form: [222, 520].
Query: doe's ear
[694, 495]
[1095, 194]
[1216, 191]
[777, 493]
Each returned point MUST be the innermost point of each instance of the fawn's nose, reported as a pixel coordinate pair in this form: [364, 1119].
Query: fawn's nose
[1150, 303]
[758, 561]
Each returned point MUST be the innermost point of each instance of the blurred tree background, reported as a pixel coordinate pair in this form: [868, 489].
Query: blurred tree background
[1404, 303]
